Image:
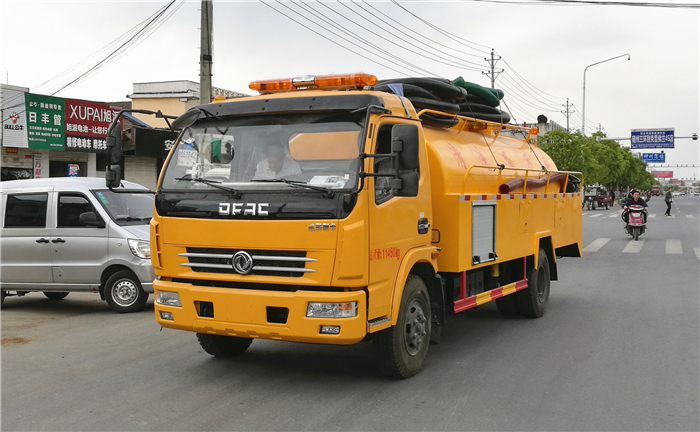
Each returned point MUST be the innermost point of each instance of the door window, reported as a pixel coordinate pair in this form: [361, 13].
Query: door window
[26, 211]
[70, 207]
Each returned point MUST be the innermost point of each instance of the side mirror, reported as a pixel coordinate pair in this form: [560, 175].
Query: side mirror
[113, 176]
[404, 141]
[91, 219]
[114, 142]
[408, 184]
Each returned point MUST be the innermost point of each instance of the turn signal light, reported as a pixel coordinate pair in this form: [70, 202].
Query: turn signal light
[326, 82]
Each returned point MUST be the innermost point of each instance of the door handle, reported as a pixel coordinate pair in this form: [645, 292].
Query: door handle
[42, 240]
[58, 240]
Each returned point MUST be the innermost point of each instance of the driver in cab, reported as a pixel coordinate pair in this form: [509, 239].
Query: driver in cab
[277, 163]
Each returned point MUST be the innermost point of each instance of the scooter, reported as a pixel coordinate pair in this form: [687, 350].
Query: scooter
[635, 221]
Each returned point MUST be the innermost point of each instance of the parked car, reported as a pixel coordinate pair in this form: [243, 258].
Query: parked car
[62, 235]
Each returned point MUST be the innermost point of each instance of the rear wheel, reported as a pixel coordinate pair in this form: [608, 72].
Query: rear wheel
[223, 346]
[401, 349]
[55, 295]
[533, 300]
[606, 206]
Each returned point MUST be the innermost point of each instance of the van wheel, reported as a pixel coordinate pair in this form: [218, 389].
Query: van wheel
[533, 299]
[123, 292]
[401, 349]
[55, 295]
[223, 346]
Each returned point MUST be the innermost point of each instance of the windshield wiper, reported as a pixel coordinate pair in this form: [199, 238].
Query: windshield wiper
[131, 219]
[215, 183]
[327, 193]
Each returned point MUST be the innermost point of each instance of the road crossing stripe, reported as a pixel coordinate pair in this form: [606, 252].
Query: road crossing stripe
[597, 244]
[673, 246]
[672, 216]
[652, 216]
[697, 252]
[615, 215]
[690, 216]
[597, 215]
[634, 246]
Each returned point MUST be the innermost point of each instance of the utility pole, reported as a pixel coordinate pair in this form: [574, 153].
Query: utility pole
[205, 58]
[568, 112]
[493, 72]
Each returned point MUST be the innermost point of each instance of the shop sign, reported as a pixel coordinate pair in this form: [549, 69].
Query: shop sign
[155, 143]
[44, 122]
[14, 124]
[87, 124]
[37, 165]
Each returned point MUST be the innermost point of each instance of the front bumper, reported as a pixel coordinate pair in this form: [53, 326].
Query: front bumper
[244, 313]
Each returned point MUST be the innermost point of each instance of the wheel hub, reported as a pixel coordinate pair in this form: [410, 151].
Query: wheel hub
[125, 292]
[415, 328]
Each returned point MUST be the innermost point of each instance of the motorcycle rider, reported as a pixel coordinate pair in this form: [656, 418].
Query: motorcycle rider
[634, 200]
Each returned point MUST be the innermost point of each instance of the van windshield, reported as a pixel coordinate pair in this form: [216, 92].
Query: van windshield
[126, 208]
[311, 153]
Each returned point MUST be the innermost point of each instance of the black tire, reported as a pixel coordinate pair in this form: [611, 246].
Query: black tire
[466, 108]
[440, 87]
[55, 295]
[123, 292]
[606, 206]
[3, 293]
[423, 103]
[508, 305]
[635, 233]
[401, 349]
[409, 90]
[438, 120]
[589, 205]
[223, 346]
[533, 300]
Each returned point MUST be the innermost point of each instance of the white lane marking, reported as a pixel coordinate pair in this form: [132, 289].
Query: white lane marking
[672, 216]
[697, 252]
[634, 246]
[597, 244]
[690, 216]
[673, 246]
[597, 215]
[652, 216]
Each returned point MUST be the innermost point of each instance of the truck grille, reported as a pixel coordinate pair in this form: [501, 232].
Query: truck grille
[265, 262]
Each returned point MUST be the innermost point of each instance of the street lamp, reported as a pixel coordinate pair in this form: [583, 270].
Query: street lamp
[583, 126]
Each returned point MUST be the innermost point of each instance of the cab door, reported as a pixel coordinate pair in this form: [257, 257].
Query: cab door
[395, 222]
[25, 238]
[78, 251]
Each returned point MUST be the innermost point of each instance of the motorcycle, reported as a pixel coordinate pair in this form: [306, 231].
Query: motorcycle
[635, 221]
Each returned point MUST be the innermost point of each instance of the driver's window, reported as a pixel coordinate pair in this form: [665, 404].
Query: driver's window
[382, 165]
[70, 207]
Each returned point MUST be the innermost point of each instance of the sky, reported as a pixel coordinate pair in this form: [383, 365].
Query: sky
[542, 48]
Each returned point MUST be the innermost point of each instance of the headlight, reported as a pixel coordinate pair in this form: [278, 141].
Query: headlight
[140, 248]
[168, 298]
[332, 310]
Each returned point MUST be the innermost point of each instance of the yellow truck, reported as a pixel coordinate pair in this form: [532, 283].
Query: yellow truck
[327, 211]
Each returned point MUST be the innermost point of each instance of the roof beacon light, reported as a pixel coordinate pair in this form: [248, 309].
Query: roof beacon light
[325, 82]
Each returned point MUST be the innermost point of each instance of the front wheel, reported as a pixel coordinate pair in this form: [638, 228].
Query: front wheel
[55, 295]
[606, 206]
[123, 292]
[401, 349]
[533, 300]
[223, 346]
[589, 204]
[635, 233]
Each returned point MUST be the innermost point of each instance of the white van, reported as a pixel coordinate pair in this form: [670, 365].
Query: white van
[62, 235]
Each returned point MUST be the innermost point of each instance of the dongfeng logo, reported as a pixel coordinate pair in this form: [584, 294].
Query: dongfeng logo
[242, 262]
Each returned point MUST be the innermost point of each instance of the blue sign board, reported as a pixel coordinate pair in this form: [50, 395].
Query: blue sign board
[653, 157]
[652, 138]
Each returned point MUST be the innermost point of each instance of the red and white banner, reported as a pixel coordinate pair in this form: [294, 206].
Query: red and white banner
[662, 174]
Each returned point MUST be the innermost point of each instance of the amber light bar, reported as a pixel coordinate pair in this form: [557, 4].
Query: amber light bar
[326, 82]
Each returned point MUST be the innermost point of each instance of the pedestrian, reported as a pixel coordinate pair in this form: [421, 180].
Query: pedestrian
[669, 200]
[612, 192]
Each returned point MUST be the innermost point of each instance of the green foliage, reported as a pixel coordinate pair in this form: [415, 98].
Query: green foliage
[603, 162]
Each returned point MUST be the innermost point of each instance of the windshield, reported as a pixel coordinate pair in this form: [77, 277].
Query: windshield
[308, 153]
[127, 208]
